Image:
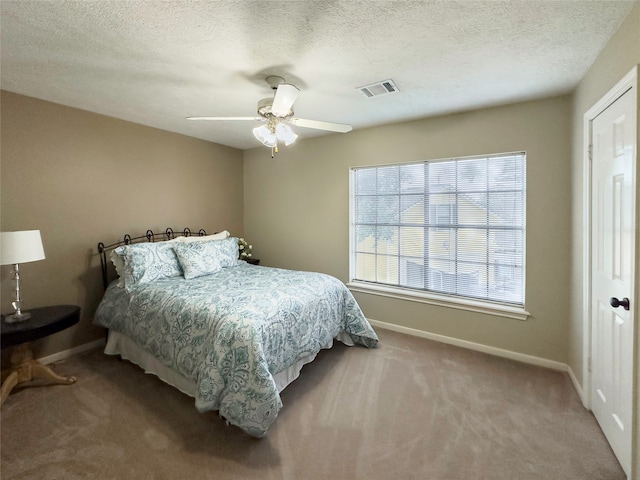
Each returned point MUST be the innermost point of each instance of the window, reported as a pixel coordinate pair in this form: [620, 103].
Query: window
[442, 214]
[453, 228]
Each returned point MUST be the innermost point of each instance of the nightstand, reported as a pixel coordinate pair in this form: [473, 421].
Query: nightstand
[253, 261]
[43, 322]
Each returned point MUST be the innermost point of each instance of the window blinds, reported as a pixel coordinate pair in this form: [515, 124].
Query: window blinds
[454, 227]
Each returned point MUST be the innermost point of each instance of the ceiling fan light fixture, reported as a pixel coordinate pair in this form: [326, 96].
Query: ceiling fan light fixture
[265, 135]
[277, 113]
[285, 134]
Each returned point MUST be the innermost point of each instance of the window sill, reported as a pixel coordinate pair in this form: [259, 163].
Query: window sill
[470, 305]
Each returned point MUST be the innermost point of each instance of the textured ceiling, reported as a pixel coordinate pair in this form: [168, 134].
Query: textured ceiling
[157, 62]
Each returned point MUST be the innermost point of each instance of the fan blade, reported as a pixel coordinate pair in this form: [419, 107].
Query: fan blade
[226, 118]
[286, 95]
[319, 125]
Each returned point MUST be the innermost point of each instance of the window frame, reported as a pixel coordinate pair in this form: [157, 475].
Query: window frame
[485, 306]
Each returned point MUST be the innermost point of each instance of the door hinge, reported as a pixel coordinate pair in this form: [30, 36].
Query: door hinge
[590, 153]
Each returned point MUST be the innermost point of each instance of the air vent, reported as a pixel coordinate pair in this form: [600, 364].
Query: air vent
[381, 88]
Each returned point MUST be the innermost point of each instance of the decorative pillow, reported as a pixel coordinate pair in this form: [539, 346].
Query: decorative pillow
[118, 262]
[216, 236]
[204, 258]
[147, 262]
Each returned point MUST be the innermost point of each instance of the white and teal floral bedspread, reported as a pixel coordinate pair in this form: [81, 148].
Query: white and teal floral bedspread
[230, 331]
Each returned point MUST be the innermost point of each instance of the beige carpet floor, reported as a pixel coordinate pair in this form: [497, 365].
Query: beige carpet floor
[412, 408]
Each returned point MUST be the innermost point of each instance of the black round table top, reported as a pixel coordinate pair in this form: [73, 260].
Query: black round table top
[43, 322]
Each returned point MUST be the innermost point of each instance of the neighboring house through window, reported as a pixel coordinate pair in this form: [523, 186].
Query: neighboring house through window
[453, 228]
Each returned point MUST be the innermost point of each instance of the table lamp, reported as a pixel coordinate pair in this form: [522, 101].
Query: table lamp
[16, 248]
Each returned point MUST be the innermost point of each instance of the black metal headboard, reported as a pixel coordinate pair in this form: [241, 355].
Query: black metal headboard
[128, 240]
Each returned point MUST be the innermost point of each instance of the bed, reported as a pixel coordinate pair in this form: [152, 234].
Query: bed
[231, 334]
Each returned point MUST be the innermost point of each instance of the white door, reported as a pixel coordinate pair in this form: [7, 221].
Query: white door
[612, 265]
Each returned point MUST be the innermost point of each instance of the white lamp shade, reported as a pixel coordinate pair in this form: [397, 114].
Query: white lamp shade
[20, 247]
[284, 133]
[265, 135]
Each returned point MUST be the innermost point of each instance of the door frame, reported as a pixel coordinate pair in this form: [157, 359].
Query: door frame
[629, 81]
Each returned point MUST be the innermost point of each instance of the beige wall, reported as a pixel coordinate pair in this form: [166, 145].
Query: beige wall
[297, 213]
[83, 178]
[618, 57]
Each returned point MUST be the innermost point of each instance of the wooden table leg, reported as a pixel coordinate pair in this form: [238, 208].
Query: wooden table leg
[10, 382]
[24, 369]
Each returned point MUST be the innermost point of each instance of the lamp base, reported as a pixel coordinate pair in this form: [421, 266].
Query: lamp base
[17, 317]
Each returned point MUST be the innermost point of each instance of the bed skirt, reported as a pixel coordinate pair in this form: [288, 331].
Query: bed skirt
[119, 344]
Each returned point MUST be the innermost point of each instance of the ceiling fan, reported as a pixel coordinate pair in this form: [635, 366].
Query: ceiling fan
[277, 112]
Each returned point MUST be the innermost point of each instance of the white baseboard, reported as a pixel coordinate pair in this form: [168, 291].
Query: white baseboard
[56, 357]
[499, 352]
[578, 387]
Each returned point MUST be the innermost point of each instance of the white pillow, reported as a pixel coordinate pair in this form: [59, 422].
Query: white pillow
[196, 238]
[118, 262]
